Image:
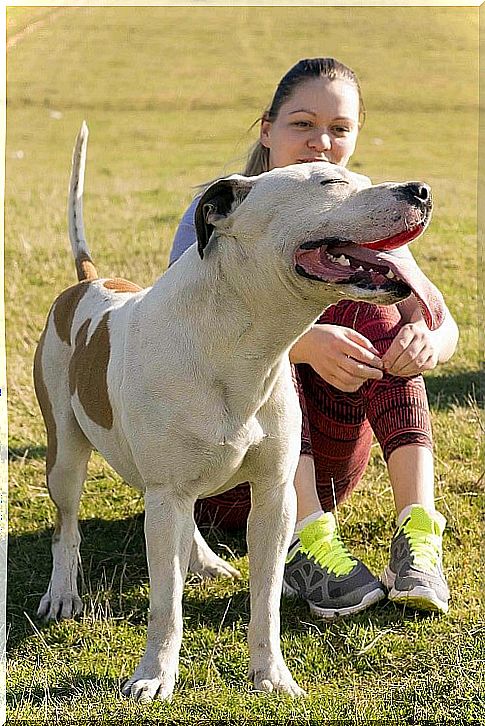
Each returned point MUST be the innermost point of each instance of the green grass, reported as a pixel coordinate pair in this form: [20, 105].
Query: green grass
[169, 94]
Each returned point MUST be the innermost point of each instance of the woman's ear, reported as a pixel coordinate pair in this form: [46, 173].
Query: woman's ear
[265, 133]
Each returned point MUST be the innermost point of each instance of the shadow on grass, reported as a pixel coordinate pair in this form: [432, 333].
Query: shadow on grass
[454, 389]
[113, 562]
[26, 452]
[62, 695]
[115, 582]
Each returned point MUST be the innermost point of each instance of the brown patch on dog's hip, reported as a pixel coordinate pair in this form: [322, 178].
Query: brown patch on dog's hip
[65, 307]
[45, 406]
[88, 372]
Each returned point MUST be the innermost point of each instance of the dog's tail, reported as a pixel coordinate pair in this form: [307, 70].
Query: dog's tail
[84, 264]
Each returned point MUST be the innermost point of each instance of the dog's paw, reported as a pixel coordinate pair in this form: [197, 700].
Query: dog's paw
[59, 606]
[276, 679]
[145, 690]
[216, 569]
[207, 565]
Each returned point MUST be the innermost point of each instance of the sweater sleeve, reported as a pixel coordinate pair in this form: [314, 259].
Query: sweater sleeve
[185, 236]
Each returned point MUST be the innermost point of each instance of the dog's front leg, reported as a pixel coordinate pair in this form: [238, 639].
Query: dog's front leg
[270, 523]
[169, 528]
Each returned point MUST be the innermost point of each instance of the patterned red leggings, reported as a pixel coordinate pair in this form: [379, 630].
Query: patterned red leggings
[337, 427]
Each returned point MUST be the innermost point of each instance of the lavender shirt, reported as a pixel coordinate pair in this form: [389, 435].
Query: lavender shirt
[185, 235]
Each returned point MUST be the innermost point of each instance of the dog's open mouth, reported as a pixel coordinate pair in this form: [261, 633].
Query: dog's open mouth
[372, 265]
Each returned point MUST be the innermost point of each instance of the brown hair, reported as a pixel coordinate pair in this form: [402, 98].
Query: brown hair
[304, 70]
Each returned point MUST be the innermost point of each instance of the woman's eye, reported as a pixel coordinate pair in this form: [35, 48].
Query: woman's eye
[342, 130]
[302, 124]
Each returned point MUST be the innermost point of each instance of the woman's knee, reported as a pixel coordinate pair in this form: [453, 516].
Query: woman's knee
[378, 323]
[398, 412]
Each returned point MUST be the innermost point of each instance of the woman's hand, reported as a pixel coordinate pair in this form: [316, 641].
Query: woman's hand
[341, 356]
[414, 350]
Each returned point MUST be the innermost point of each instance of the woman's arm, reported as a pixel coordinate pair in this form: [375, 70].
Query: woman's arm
[345, 358]
[185, 235]
[341, 356]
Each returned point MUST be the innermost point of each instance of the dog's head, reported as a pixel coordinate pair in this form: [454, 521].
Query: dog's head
[329, 232]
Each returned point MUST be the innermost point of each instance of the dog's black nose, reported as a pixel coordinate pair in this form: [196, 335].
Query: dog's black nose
[419, 190]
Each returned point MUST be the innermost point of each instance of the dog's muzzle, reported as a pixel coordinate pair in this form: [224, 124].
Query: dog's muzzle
[378, 264]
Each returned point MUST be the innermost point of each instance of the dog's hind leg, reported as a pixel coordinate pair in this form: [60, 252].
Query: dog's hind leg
[205, 563]
[68, 452]
[65, 482]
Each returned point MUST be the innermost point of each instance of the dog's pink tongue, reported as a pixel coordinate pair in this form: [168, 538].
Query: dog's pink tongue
[403, 265]
[428, 296]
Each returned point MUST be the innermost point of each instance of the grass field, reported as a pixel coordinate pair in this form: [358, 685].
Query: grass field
[169, 94]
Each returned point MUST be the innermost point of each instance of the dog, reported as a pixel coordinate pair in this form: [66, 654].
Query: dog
[185, 387]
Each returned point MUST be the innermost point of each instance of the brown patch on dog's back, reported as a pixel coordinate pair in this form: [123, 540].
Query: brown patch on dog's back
[88, 372]
[45, 406]
[65, 307]
[118, 284]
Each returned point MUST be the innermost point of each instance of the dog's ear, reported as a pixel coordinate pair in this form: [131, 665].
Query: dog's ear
[216, 204]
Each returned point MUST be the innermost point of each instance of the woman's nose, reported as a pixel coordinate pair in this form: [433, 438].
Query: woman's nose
[320, 141]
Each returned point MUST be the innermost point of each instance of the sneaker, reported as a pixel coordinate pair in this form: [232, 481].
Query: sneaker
[320, 570]
[414, 575]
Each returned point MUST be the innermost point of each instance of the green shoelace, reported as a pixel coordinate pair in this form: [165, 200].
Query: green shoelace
[424, 537]
[321, 542]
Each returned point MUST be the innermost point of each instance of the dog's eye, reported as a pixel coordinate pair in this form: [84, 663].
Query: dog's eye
[333, 181]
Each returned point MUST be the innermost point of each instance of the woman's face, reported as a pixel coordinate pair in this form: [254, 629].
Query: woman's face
[319, 122]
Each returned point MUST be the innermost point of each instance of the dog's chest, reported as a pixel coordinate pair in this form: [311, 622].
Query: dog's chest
[263, 449]
[209, 466]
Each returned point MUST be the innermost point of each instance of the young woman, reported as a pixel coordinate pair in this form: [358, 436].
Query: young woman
[358, 372]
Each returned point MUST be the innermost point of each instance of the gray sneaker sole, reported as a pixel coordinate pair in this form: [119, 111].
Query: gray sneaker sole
[418, 598]
[335, 613]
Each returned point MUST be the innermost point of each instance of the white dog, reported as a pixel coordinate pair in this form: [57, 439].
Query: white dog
[185, 387]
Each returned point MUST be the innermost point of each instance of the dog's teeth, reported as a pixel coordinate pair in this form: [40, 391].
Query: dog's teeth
[360, 269]
[371, 270]
[342, 260]
[390, 275]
